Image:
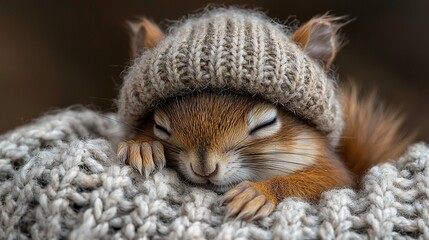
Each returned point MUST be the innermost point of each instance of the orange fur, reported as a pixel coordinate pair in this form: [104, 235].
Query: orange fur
[308, 183]
[372, 134]
[144, 35]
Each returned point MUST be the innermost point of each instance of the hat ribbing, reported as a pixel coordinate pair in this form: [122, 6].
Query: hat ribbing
[232, 49]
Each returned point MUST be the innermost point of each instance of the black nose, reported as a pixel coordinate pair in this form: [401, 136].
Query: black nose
[209, 175]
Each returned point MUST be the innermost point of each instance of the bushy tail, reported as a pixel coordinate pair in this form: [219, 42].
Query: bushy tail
[373, 134]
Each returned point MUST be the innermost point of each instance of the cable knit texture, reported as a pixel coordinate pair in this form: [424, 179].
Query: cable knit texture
[233, 49]
[59, 178]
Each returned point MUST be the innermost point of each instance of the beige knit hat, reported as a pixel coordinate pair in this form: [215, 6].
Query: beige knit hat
[237, 50]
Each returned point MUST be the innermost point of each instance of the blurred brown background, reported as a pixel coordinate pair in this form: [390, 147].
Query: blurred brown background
[54, 54]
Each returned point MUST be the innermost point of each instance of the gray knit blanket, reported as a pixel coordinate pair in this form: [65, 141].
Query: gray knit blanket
[59, 179]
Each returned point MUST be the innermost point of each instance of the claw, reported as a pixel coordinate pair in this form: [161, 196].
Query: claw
[264, 210]
[158, 154]
[123, 152]
[251, 207]
[142, 156]
[135, 158]
[240, 200]
[234, 192]
[146, 153]
[246, 202]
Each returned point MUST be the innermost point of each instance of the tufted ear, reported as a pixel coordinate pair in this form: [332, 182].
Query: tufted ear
[144, 35]
[318, 38]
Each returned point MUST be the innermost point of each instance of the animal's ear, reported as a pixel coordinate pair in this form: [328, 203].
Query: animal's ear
[318, 38]
[144, 35]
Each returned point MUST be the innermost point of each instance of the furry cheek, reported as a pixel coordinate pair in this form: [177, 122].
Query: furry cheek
[231, 171]
[280, 159]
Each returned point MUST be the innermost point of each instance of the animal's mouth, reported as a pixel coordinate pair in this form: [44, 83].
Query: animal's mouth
[217, 187]
[209, 184]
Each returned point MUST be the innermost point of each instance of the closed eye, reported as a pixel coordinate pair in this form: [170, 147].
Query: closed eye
[263, 125]
[162, 129]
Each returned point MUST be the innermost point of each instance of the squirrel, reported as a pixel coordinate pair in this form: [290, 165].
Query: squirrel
[253, 151]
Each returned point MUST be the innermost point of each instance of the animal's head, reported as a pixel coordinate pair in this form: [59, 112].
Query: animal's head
[221, 139]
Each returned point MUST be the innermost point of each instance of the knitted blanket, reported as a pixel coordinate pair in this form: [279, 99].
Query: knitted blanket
[59, 178]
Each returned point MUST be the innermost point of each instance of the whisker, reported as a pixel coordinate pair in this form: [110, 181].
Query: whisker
[267, 141]
[268, 153]
[273, 164]
[280, 170]
[340, 137]
[241, 141]
[277, 153]
[171, 147]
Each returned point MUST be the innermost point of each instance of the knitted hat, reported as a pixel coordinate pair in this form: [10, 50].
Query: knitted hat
[236, 50]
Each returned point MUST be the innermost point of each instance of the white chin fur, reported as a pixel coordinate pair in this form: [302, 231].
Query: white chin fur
[229, 175]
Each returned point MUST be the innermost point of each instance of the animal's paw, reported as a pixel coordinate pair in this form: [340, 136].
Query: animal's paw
[246, 202]
[145, 157]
